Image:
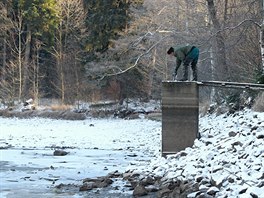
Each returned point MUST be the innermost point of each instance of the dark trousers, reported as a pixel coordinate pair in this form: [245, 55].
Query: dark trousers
[191, 58]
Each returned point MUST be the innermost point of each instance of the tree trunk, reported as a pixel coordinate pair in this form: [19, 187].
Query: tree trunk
[262, 36]
[151, 73]
[26, 83]
[36, 73]
[20, 24]
[221, 65]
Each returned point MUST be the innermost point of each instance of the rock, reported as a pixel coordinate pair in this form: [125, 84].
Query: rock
[243, 191]
[253, 128]
[163, 193]
[237, 143]
[204, 195]
[203, 188]
[199, 179]
[261, 184]
[182, 153]
[217, 168]
[114, 174]
[212, 191]
[231, 180]
[99, 180]
[152, 188]
[103, 184]
[132, 155]
[148, 181]
[60, 153]
[87, 186]
[140, 191]
[176, 193]
[127, 175]
[260, 136]
[183, 187]
[4, 145]
[133, 184]
[174, 184]
[194, 194]
[253, 195]
[262, 177]
[208, 143]
[232, 134]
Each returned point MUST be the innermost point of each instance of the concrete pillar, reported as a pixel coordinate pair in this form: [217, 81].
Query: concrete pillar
[180, 113]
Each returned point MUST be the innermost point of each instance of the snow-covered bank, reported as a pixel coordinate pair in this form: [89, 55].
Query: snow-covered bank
[229, 157]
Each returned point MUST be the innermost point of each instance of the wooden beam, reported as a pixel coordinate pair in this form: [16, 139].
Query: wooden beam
[236, 85]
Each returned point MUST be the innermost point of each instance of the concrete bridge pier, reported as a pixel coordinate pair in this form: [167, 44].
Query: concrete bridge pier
[180, 115]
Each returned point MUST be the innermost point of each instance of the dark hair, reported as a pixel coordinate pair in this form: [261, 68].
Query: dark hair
[170, 50]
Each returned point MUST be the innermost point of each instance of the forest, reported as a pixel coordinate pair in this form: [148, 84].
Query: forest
[94, 50]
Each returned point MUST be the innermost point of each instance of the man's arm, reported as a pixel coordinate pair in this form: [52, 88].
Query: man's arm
[178, 64]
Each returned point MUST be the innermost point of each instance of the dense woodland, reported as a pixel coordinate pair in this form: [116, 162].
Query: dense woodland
[95, 50]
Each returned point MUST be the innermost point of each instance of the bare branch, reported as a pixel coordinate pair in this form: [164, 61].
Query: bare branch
[136, 62]
[233, 28]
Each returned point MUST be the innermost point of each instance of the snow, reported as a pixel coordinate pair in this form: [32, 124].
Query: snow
[230, 152]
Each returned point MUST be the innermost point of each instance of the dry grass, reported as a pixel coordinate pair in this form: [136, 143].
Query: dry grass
[259, 103]
[63, 114]
[60, 107]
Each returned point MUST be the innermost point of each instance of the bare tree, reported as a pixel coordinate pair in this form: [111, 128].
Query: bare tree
[13, 48]
[68, 49]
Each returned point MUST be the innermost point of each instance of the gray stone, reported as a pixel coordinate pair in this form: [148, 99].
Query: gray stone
[60, 153]
[232, 134]
[204, 195]
[140, 191]
[253, 195]
[87, 186]
[163, 193]
[212, 191]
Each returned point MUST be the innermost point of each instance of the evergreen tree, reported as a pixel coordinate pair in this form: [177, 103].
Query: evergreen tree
[40, 19]
[105, 19]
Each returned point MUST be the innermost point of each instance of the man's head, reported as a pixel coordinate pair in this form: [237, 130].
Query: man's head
[170, 51]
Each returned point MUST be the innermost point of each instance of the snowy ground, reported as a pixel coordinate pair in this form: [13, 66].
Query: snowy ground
[230, 153]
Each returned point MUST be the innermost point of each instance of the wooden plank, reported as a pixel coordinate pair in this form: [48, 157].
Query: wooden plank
[226, 84]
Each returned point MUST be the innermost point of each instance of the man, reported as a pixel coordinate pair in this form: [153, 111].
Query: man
[186, 55]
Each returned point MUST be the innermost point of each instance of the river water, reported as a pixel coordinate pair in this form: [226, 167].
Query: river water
[28, 167]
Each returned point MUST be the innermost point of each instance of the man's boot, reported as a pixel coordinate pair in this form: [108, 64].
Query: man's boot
[194, 76]
[194, 73]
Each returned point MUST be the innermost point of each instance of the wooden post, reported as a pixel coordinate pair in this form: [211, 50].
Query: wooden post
[180, 113]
